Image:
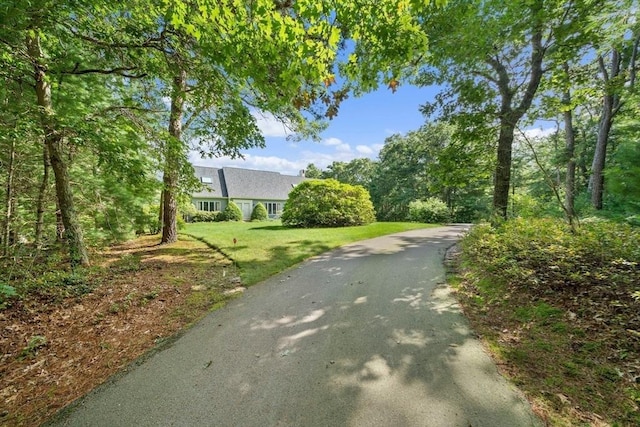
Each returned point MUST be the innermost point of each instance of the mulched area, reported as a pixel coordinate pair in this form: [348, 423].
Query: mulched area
[53, 351]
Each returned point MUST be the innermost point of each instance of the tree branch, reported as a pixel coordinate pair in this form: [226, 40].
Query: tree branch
[485, 76]
[150, 42]
[121, 71]
[548, 179]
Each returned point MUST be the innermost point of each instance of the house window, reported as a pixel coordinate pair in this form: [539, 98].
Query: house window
[274, 208]
[209, 206]
[206, 180]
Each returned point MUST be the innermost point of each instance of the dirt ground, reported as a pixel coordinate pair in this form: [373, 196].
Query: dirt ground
[54, 350]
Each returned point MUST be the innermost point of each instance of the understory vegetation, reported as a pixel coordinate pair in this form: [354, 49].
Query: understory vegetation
[560, 309]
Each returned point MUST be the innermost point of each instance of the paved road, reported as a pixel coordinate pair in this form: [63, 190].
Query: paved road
[365, 335]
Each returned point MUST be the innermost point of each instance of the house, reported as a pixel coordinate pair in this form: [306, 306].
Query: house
[245, 187]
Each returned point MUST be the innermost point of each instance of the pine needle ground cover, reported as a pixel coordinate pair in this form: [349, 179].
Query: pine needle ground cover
[560, 311]
[65, 333]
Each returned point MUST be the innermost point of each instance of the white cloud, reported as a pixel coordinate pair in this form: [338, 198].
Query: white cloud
[328, 151]
[270, 126]
[332, 141]
[536, 133]
[344, 148]
[337, 143]
[364, 149]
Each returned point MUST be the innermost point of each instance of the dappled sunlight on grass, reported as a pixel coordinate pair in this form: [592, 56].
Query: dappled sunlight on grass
[264, 249]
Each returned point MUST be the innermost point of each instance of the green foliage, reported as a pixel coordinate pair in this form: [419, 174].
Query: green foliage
[146, 220]
[327, 203]
[204, 216]
[6, 293]
[433, 161]
[540, 292]
[126, 263]
[232, 212]
[47, 281]
[312, 171]
[35, 343]
[545, 254]
[356, 172]
[259, 213]
[623, 177]
[431, 210]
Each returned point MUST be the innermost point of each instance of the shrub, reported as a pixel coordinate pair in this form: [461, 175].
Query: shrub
[259, 213]
[6, 292]
[327, 203]
[544, 253]
[203, 216]
[232, 212]
[432, 210]
[146, 220]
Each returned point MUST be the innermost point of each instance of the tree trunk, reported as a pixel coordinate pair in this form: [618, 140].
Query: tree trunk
[570, 148]
[502, 178]
[161, 210]
[42, 196]
[9, 205]
[609, 108]
[173, 157]
[570, 181]
[54, 142]
[510, 114]
[59, 224]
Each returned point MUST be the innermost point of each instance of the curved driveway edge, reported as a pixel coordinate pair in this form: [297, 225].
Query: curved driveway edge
[365, 335]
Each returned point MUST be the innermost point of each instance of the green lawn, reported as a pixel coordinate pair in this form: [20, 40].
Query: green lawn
[266, 248]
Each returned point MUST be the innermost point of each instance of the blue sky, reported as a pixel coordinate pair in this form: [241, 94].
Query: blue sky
[359, 130]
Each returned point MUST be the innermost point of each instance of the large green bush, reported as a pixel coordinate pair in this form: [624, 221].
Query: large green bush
[432, 210]
[259, 213]
[232, 212]
[327, 203]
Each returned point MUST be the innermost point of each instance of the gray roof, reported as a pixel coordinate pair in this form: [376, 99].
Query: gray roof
[247, 183]
[216, 188]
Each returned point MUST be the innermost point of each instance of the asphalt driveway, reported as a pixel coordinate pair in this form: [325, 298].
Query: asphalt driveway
[366, 335]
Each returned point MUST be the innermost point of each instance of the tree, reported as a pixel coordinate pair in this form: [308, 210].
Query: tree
[356, 172]
[217, 63]
[491, 57]
[54, 141]
[616, 21]
[591, 70]
[79, 101]
[432, 161]
[279, 57]
[327, 203]
[312, 171]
